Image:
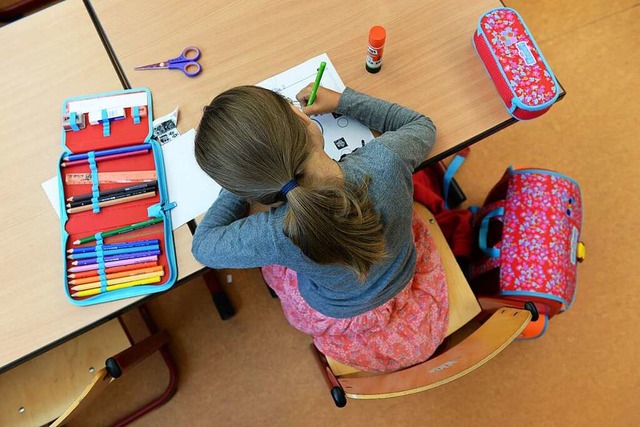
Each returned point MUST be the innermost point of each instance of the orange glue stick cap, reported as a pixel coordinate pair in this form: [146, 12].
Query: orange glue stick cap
[377, 36]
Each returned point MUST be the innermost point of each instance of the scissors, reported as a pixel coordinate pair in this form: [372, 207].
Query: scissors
[187, 62]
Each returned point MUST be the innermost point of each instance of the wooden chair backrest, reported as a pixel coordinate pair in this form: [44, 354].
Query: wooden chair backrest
[44, 386]
[99, 382]
[477, 349]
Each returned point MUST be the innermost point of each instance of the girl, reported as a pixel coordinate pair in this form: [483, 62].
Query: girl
[339, 245]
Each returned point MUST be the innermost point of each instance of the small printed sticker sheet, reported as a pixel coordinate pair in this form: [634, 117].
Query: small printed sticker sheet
[165, 128]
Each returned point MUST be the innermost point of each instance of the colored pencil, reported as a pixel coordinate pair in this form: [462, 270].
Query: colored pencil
[102, 153]
[120, 257]
[119, 269]
[113, 191]
[97, 291]
[86, 255]
[115, 201]
[123, 245]
[96, 278]
[88, 267]
[98, 284]
[103, 158]
[108, 197]
[316, 84]
[120, 230]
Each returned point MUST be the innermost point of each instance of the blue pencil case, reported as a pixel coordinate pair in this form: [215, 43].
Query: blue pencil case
[117, 238]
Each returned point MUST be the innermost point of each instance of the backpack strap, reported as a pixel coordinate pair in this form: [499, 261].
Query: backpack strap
[448, 181]
[484, 230]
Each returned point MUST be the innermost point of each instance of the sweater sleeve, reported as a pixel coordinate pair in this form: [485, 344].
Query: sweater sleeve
[407, 133]
[225, 238]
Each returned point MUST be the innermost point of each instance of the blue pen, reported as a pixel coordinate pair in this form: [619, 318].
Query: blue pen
[101, 153]
[115, 246]
[116, 251]
[115, 258]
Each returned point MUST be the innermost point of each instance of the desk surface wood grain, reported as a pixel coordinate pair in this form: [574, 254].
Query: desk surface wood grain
[429, 62]
[47, 57]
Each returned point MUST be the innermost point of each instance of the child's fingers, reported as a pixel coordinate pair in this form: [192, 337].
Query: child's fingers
[312, 110]
[304, 94]
[326, 100]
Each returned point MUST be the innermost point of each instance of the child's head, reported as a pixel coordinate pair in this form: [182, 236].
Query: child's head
[253, 143]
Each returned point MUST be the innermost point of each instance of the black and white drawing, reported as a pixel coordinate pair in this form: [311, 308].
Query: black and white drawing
[342, 134]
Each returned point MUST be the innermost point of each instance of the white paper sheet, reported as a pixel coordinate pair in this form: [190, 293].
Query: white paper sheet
[342, 134]
[188, 185]
[50, 187]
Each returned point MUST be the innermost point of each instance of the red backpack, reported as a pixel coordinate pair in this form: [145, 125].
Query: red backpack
[527, 236]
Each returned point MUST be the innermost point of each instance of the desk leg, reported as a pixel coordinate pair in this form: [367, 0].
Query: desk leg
[220, 299]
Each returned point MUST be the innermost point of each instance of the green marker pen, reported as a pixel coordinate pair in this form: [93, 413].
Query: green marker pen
[316, 84]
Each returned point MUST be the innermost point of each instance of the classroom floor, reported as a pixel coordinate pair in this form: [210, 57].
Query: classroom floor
[256, 370]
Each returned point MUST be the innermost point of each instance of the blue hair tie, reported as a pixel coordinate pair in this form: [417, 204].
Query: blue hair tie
[290, 185]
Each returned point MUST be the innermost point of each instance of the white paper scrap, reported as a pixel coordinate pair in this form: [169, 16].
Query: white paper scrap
[165, 128]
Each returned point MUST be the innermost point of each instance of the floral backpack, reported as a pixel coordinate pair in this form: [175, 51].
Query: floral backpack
[527, 236]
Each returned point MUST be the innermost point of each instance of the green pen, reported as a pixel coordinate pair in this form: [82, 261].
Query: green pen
[316, 84]
[120, 230]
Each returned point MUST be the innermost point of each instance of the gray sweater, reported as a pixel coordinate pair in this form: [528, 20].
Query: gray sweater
[227, 239]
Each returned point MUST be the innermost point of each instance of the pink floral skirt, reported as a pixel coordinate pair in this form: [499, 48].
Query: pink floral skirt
[401, 332]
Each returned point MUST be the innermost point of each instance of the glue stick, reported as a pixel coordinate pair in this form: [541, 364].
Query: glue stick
[377, 36]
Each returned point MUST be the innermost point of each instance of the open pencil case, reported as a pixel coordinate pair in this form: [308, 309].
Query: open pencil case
[117, 239]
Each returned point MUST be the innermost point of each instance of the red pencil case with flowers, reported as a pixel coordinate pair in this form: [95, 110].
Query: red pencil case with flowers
[515, 63]
[117, 238]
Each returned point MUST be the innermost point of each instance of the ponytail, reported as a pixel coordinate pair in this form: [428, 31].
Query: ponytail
[335, 223]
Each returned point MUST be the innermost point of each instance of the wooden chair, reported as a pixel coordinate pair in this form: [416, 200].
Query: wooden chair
[64, 381]
[483, 344]
[12, 10]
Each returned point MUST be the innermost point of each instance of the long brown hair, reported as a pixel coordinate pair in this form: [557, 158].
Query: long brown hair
[251, 142]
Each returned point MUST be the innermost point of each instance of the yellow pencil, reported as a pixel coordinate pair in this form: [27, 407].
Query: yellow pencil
[117, 281]
[97, 291]
[96, 278]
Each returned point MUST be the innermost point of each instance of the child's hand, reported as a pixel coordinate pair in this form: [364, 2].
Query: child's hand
[326, 100]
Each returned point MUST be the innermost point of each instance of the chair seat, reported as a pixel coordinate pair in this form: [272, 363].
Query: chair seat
[463, 306]
[46, 385]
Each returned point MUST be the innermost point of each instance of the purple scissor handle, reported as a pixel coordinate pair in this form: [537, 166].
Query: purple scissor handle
[187, 62]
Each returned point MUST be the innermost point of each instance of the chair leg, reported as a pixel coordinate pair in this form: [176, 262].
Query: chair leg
[337, 392]
[171, 388]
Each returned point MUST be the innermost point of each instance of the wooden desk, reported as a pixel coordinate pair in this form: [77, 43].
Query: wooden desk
[429, 62]
[46, 58]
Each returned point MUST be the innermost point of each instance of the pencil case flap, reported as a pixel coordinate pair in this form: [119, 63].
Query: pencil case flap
[106, 120]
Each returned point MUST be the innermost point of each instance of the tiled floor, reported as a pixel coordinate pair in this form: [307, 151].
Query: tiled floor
[255, 370]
